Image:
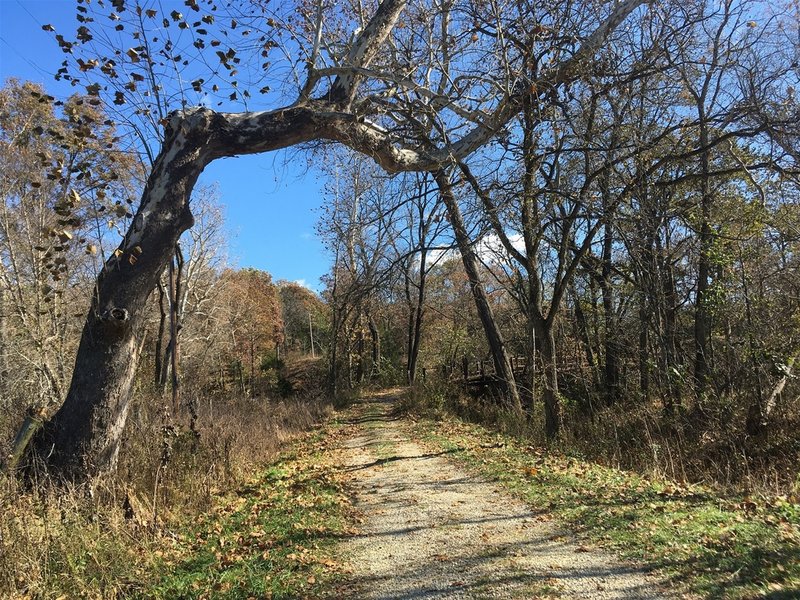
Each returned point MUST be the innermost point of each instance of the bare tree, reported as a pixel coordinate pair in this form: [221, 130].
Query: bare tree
[342, 101]
[423, 225]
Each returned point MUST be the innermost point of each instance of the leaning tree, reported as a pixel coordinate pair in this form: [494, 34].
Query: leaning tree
[410, 85]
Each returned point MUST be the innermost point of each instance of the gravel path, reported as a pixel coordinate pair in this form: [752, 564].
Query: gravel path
[431, 530]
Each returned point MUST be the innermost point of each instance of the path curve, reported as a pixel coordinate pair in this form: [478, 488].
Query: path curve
[431, 530]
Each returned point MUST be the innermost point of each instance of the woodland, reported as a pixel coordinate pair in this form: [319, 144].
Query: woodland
[576, 223]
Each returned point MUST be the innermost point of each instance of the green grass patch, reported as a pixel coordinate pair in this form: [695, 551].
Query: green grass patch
[733, 547]
[272, 538]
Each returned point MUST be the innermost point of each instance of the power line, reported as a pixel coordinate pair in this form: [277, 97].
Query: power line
[30, 14]
[13, 48]
[27, 60]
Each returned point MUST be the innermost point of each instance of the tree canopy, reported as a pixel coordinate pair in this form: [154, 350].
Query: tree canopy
[552, 118]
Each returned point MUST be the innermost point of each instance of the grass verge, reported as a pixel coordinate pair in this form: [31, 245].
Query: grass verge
[249, 512]
[272, 538]
[737, 547]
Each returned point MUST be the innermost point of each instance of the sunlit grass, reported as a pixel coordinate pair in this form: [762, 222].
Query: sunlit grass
[272, 538]
[732, 547]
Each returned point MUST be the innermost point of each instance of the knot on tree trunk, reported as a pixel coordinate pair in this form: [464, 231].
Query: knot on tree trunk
[115, 316]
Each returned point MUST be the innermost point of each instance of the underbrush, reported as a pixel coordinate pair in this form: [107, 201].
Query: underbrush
[68, 543]
[708, 447]
[732, 547]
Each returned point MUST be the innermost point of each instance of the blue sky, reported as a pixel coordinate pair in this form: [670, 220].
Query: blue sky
[270, 200]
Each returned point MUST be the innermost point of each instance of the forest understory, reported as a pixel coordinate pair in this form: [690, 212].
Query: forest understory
[301, 517]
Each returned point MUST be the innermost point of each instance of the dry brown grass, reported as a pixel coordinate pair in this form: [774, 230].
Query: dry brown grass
[711, 448]
[63, 542]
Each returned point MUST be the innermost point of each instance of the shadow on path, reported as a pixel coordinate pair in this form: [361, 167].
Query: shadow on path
[431, 530]
[383, 461]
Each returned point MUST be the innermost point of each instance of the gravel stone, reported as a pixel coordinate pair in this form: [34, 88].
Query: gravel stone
[431, 530]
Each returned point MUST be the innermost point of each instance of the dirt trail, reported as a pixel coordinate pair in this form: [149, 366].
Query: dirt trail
[432, 530]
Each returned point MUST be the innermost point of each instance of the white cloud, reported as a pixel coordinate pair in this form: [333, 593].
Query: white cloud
[440, 256]
[302, 283]
[491, 250]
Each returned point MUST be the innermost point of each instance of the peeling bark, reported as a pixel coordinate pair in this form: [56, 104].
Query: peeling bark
[82, 439]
